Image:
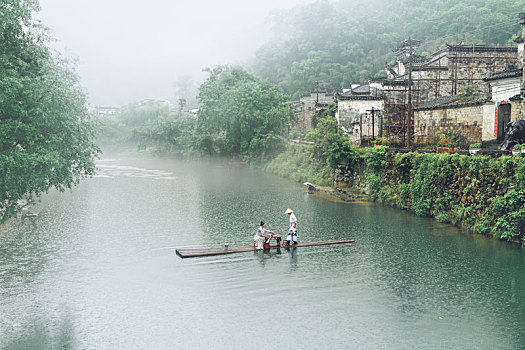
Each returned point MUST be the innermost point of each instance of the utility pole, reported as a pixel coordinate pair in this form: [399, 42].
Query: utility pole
[373, 123]
[317, 90]
[407, 50]
[381, 125]
[409, 124]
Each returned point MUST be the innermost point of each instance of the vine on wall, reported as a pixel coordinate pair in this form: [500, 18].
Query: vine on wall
[482, 194]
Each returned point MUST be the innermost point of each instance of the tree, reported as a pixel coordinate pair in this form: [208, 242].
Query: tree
[249, 115]
[185, 89]
[46, 136]
[329, 143]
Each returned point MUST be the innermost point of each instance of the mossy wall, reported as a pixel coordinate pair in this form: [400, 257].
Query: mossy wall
[482, 194]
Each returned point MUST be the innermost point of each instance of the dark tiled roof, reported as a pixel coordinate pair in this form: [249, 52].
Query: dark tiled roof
[481, 48]
[360, 98]
[429, 68]
[320, 92]
[362, 89]
[504, 75]
[454, 101]
[378, 79]
[395, 82]
[443, 100]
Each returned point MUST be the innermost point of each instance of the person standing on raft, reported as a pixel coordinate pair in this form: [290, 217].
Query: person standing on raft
[292, 231]
[262, 236]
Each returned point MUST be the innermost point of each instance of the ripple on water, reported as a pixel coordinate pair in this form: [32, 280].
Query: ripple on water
[103, 257]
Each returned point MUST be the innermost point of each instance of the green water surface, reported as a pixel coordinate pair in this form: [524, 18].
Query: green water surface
[97, 269]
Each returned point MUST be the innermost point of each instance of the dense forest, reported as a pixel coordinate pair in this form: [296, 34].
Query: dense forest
[333, 44]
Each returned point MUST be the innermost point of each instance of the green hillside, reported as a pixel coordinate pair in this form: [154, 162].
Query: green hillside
[338, 43]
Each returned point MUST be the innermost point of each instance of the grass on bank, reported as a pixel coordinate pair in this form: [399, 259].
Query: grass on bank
[297, 162]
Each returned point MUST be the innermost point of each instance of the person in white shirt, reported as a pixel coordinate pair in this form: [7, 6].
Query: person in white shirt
[262, 236]
[292, 231]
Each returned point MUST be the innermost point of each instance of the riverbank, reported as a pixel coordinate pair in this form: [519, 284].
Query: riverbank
[29, 211]
[481, 194]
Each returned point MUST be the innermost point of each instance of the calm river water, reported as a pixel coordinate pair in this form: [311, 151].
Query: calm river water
[97, 269]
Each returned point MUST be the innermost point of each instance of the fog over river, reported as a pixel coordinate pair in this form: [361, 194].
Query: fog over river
[97, 269]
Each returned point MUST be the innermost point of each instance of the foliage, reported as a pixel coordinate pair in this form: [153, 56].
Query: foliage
[130, 124]
[298, 163]
[475, 145]
[380, 141]
[483, 194]
[330, 144]
[508, 212]
[251, 115]
[451, 137]
[467, 91]
[171, 133]
[375, 158]
[46, 135]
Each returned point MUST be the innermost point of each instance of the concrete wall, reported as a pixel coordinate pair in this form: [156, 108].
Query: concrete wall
[489, 118]
[504, 89]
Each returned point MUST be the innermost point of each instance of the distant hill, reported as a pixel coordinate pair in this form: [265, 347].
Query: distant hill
[349, 41]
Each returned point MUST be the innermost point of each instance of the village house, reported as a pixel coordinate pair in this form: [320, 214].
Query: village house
[471, 91]
[360, 111]
[459, 115]
[105, 112]
[478, 119]
[505, 89]
[309, 104]
[453, 71]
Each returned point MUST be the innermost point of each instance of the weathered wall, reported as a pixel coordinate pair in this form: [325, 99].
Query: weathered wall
[355, 118]
[517, 112]
[308, 107]
[306, 114]
[429, 124]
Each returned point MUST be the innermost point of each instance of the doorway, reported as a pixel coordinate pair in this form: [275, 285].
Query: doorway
[503, 119]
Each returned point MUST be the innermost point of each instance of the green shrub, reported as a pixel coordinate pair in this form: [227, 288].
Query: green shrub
[475, 145]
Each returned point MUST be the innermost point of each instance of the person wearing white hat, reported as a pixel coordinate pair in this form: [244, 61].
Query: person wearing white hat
[292, 231]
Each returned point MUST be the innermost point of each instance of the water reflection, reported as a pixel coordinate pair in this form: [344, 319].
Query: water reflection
[48, 334]
[265, 254]
[105, 251]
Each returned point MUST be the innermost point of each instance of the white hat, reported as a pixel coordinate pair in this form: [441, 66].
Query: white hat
[288, 211]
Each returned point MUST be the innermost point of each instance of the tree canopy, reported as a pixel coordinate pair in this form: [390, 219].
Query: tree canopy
[243, 113]
[46, 137]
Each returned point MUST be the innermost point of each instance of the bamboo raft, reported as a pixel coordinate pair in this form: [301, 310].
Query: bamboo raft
[193, 253]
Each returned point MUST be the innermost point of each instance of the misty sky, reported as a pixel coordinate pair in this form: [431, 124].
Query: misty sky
[132, 50]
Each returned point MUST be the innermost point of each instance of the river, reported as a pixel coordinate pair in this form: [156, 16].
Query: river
[97, 269]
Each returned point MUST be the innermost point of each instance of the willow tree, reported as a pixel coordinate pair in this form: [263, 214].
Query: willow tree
[243, 113]
[46, 137]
